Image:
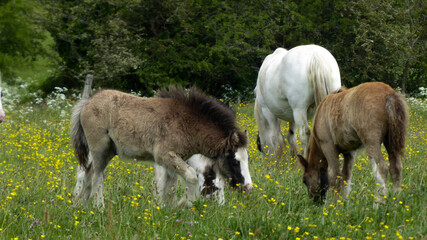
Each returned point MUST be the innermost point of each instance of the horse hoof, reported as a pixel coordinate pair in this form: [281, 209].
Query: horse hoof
[183, 203]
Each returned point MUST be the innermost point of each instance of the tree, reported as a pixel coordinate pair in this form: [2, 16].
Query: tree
[220, 45]
[389, 40]
[20, 36]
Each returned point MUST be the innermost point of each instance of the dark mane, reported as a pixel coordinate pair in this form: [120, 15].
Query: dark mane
[204, 105]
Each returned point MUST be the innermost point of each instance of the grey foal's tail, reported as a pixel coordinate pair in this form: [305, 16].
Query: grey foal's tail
[78, 137]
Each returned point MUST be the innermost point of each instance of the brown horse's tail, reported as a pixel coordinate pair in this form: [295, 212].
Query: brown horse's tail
[398, 118]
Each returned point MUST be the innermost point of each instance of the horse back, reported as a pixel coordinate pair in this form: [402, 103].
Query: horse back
[133, 125]
[355, 116]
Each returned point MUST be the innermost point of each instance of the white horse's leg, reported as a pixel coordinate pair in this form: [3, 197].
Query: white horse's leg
[200, 184]
[292, 139]
[269, 131]
[219, 194]
[176, 165]
[300, 117]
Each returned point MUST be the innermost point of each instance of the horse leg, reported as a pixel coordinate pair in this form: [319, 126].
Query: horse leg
[101, 156]
[219, 193]
[300, 117]
[332, 164]
[175, 164]
[395, 168]
[79, 183]
[269, 131]
[292, 139]
[346, 172]
[81, 176]
[379, 167]
[166, 185]
[83, 186]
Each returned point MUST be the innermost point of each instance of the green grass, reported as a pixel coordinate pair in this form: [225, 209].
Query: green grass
[38, 173]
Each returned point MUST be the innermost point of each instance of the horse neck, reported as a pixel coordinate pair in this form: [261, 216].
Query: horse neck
[209, 144]
[316, 159]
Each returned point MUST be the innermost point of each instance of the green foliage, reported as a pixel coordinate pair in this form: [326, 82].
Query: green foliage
[20, 36]
[214, 44]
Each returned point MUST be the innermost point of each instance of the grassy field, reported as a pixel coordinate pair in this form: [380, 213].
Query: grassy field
[38, 173]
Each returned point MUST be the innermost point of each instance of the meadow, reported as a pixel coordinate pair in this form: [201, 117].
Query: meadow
[38, 174]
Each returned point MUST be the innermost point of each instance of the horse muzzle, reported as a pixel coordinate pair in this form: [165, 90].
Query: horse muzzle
[246, 188]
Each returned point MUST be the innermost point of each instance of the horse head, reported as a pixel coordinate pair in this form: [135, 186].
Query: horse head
[315, 179]
[234, 164]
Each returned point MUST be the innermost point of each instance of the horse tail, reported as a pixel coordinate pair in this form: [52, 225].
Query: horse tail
[78, 137]
[320, 78]
[398, 118]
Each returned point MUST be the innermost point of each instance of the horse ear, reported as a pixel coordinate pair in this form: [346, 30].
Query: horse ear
[303, 162]
[234, 141]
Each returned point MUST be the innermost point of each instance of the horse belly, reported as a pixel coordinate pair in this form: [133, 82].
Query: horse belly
[132, 144]
[348, 140]
[279, 107]
[130, 152]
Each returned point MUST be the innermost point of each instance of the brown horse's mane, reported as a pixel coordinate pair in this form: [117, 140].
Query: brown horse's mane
[207, 107]
[341, 89]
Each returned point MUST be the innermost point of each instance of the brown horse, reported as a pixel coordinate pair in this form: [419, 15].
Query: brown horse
[168, 129]
[367, 115]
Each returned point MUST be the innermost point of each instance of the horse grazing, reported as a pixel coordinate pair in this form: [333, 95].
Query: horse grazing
[290, 86]
[366, 115]
[167, 129]
[209, 183]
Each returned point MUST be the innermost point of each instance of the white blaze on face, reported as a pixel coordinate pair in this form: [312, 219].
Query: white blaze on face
[242, 156]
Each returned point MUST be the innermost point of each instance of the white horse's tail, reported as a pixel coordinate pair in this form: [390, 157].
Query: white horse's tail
[320, 77]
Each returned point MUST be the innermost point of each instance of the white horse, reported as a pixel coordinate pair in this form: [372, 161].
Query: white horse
[209, 183]
[290, 86]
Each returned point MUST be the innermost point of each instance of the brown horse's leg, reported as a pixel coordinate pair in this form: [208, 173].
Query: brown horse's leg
[346, 172]
[395, 167]
[379, 167]
[175, 164]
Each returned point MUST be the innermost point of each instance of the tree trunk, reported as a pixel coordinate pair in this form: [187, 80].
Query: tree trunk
[405, 76]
